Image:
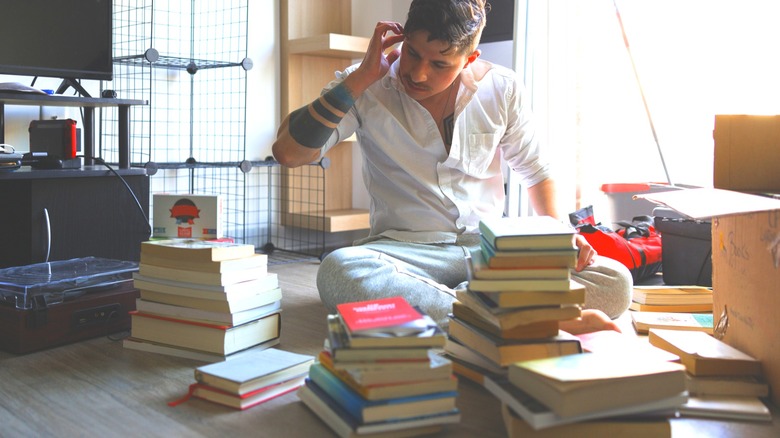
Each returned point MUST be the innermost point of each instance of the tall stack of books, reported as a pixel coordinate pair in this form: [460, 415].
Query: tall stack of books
[379, 372]
[204, 299]
[519, 290]
[723, 382]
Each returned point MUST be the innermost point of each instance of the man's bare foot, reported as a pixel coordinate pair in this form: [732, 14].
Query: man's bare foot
[592, 320]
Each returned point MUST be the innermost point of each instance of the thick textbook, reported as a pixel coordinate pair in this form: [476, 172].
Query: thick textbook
[213, 338]
[345, 425]
[504, 352]
[704, 355]
[579, 384]
[254, 370]
[644, 321]
[197, 249]
[526, 233]
[367, 411]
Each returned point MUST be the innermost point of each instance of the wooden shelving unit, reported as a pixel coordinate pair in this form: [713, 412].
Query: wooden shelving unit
[315, 43]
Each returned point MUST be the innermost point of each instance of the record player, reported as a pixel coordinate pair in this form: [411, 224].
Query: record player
[48, 304]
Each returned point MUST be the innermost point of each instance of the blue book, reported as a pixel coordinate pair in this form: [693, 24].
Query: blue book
[367, 411]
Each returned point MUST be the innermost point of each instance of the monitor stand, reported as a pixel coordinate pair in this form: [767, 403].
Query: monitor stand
[70, 82]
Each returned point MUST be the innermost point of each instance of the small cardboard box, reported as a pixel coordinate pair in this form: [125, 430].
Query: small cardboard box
[746, 269]
[187, 215]
[747, 153]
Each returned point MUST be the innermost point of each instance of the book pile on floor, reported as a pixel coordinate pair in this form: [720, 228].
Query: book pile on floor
[722, 381]
[519, 290]
[204, 299]
[249, 378]
[684, 299]
[591, 394]
[379, 372]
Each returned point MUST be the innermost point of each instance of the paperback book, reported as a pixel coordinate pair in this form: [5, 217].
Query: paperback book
[188, 353]
[246, 400]
[480, 270]
[208, 316]
[644, 321]
[197, 249]
[387, 317]
[667, 295]
[562, 258]
[497, 301]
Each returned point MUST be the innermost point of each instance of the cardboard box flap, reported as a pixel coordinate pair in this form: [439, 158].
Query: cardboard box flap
[705, 202]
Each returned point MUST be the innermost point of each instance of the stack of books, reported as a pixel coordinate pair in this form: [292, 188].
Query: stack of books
[249, 378]
[685, 299]
[723, 382]
[519, 290]
[379, 372]
[591, 394]
[204, 299]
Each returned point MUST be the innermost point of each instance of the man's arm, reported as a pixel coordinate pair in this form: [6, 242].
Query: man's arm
[305, 131]
[543, 200]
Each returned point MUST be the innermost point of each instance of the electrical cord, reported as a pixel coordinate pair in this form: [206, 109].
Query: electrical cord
[148, 228]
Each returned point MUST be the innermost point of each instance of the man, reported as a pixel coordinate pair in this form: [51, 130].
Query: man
[433, 122]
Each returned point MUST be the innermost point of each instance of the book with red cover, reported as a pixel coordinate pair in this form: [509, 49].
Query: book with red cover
[243, 401]
[383, 317]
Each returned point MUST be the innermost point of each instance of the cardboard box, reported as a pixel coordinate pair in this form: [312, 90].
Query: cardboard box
[746, 269]
[747, 153]
[187, 215]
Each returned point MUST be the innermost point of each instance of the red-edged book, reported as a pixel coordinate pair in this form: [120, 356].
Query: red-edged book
[202, 336]
[244, 401]
[383, 317]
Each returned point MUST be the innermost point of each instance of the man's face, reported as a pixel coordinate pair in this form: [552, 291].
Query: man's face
[424, 70]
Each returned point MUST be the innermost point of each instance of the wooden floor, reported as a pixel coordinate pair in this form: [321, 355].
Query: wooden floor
[97, 388]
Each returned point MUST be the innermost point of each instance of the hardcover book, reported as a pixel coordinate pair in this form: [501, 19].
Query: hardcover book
[644, 321]
[213, 338]
[527, 233]
[704, 355]
[504, 352]
[253, 370]
[578, 384]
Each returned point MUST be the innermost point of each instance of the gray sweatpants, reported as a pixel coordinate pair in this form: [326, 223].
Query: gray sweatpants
[426, 275]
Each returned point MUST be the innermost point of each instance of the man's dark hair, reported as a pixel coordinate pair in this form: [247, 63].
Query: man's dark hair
[457, 22]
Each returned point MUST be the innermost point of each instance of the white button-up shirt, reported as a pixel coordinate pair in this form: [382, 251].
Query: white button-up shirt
[418, 192]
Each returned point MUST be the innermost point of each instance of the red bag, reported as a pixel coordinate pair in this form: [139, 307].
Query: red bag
[637, 244]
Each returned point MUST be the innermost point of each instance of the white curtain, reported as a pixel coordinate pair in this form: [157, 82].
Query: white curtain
[687, 60]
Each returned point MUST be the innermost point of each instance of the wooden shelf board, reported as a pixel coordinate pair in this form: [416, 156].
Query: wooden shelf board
[330, 45]
[331, 221]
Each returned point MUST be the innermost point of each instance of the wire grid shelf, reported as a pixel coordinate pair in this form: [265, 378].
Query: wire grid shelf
[188, 59]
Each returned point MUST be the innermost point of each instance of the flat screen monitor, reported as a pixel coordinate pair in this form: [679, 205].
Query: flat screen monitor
[68, 39]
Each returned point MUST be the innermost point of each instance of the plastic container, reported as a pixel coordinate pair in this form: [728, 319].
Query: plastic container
[44, 284]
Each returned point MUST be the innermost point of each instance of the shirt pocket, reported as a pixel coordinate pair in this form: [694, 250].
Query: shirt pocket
[479, 153]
